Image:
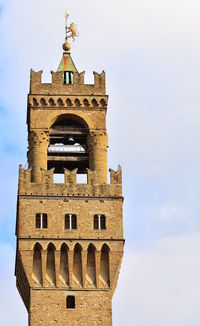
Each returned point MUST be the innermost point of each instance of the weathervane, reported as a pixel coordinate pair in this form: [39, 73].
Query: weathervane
[70, 31]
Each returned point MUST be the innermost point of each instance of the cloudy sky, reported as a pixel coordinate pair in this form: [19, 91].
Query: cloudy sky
[150, 50]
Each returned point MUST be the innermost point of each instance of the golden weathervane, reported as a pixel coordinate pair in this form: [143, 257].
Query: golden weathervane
[71, 31]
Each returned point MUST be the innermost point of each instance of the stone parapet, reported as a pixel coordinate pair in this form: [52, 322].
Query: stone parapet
[57, 86]
[70, 187]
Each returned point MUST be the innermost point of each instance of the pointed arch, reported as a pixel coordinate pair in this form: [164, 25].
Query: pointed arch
[35, 102]
[94, 103]
[68, 102]
[60, 102]
[50, 267]
[37, 264]
[51, 102]
[77, 102]
[85, 102]
[103, 102]
[64, 266]
[77, 265]
[104, 266]
[91, 269]
[43, 102]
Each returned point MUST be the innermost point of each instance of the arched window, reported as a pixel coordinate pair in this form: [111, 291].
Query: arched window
[37, 264]
[64, 268]
[104, 266]
[70, 221]
[77, 266]
[70, 302]
[50, 265]
[91, 268]
[41, 221]
[99, 222]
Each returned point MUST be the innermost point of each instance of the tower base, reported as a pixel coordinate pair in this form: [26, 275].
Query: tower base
[49, 307]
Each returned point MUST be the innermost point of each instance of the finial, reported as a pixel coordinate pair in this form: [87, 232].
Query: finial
[70, 31]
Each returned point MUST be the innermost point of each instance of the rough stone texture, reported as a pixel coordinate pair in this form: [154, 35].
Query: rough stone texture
[92, 308]
[54, 262]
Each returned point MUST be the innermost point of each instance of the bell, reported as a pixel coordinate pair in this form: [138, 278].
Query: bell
[71, 139]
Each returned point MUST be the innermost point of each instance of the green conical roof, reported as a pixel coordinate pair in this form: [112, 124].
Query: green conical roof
[67, 63]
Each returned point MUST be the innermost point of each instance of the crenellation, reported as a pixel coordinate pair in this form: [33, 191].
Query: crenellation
[70, 187]
[57, 87]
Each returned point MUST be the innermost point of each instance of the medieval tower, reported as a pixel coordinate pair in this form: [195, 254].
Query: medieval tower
[69, 234]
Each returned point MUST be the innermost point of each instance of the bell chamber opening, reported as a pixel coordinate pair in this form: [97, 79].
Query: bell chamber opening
[68, 146]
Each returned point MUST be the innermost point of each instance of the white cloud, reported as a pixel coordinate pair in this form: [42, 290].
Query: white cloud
[150, 51]
[160, 285]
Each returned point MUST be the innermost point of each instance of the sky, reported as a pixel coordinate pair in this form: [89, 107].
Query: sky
[150, 51]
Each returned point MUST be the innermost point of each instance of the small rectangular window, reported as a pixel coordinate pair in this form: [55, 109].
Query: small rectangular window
[103, 222]
[70, 221]
[41, 221]
[44, 221]
[99, 222]
[96, 226]
[70, 302]
[38, 224]
[74, 226]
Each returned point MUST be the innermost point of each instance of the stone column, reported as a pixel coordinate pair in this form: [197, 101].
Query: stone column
[97, 146]
[37, 153]
[97, 266]
[84, 266]
[44, 261]
[57, 266]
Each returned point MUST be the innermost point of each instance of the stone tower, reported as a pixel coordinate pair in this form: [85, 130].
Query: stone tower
[69, 234]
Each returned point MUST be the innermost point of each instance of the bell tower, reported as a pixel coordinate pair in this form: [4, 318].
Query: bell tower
[69, 234]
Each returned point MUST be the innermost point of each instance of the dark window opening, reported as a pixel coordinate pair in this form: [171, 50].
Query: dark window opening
[99, 222]
[70, 221]
[41, 221]
[68, 78]
[70, 302]
[96, 222]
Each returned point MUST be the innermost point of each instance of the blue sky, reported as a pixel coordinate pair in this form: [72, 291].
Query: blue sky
[150, 51]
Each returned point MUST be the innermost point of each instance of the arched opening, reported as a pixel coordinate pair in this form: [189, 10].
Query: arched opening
[77, 266]
[69, 102]
[77, 102]
[37, 264]
[51, 102]
[35, 102]
[103, 102]
[60, 102]
[85, 102]
[91, 270]
[50, 269]
[68, 145]
[104, 267]
[94, 103]
[64, 267]
[43, 102]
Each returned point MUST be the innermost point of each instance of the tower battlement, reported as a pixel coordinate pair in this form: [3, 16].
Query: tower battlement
[57, 87]
[70, 187]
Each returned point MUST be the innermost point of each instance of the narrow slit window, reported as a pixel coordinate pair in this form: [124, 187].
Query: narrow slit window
[96, 224]
[70, 302]
[68, 78]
